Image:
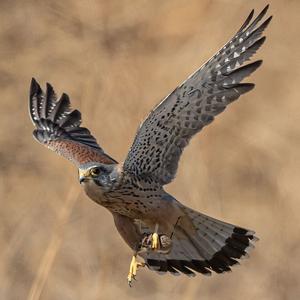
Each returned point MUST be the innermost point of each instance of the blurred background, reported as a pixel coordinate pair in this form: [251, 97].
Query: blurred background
[116, 60]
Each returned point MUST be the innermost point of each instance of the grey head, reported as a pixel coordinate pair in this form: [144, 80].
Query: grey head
[105, 176]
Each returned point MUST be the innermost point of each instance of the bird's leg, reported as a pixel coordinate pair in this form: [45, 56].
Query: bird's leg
[161, 243]
[155, 239]
[134, 265]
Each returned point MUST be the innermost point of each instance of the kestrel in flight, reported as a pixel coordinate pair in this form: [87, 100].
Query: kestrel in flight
[169, 236]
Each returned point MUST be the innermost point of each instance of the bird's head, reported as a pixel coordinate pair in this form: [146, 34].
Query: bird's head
[103, 175]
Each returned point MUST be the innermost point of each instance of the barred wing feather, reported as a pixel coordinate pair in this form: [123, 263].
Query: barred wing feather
[167, 130]
[58, 127]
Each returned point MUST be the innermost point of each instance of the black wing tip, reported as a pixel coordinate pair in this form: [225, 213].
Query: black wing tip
[253, 65]
[256, 64]
[50, 94]
[247, 21]
[267, 21]
[37, 92]
[49, 86]
[246, 70]
[65, 96]
[34, 87]
[245, 87]
[250, 17]
[76, 112]
[263, 12]
[257, 44]
[265, 9]
[261, 40]
[55, 119]
[33, 81]
[259, 17]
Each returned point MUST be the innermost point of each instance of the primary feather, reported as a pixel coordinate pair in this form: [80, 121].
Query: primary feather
[164, 134]
[58, 127]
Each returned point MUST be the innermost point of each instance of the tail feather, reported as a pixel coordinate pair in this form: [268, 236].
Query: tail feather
[222, 233]
[209, 245]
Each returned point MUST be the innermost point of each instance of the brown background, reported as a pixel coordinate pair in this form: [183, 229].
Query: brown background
[116, 60]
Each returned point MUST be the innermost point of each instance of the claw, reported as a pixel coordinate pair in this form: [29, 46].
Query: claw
[134, 265]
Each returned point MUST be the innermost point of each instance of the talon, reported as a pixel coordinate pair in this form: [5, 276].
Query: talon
[155, 241]
[134, 265]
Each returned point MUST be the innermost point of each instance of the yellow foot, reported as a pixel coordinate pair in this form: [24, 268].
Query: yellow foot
[134, 265]
[155, 241]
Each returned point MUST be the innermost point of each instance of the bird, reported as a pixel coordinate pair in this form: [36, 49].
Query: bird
[164, 235]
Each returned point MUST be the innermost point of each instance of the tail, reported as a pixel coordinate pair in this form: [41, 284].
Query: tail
[203, 244]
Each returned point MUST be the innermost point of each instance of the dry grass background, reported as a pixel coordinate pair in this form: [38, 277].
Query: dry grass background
[116, 59]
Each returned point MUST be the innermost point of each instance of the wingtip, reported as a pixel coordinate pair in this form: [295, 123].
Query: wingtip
[262, 39]
[242, 88]
[266, 7]
[250, 16]
[263, 12]
[34, 90]
[34, 87]
[253, 66]
[65, 97]
[268, 20]
[247, 21]
[49, 90]
[258, 63]
[49, 85]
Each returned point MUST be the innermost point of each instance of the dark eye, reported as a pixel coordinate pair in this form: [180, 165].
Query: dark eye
[95, 172]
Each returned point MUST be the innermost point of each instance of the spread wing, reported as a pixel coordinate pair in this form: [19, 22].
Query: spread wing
[58, 127]
[164, 134]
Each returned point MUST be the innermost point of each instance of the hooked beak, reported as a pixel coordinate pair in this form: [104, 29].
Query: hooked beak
[83, 175]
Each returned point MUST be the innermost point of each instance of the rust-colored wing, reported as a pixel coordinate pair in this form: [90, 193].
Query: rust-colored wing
[58, 127]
